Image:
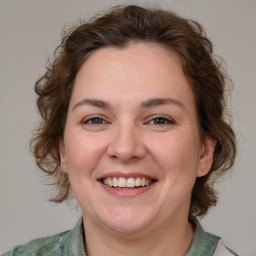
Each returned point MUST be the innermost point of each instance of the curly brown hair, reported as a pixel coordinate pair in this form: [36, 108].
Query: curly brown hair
[118, 27]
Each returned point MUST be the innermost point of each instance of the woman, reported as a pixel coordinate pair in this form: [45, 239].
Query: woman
[132, 110]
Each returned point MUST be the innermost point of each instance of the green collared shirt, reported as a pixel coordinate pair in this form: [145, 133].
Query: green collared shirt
[71, 243]
[204, 244]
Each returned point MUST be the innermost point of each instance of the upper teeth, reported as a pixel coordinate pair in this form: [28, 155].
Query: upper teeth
[126, 183]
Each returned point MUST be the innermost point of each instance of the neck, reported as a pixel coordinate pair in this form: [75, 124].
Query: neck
[171, 239]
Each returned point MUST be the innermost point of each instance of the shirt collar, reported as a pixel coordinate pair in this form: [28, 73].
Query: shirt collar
[204, 244]
[75, 246]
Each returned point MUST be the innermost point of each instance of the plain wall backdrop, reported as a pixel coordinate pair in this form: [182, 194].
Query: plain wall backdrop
[31, 30]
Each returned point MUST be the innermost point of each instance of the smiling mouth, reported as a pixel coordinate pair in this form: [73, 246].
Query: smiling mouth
[127, 183]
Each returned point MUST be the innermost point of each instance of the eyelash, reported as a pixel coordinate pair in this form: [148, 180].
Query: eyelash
[157, 120]
[90, 121]
[167, 121]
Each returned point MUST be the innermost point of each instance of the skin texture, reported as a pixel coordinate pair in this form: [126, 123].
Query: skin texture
[126, 137]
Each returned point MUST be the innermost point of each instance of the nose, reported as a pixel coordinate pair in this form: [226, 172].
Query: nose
[126, 144]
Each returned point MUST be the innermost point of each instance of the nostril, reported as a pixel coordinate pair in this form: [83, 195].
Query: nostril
[126, 144]
[126, 154]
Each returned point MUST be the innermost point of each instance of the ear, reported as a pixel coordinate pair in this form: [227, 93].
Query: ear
[206, 156]
[63, 164]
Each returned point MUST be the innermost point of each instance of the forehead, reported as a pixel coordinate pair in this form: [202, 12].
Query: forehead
[135, 56]
[139, 69]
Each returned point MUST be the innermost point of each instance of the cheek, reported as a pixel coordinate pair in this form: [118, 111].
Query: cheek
[177, 154]
[83, 152]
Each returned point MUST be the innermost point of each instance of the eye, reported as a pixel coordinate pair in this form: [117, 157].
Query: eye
[161, 120]
[94, 121]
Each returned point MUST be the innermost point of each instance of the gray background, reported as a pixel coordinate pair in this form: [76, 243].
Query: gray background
[30, 31]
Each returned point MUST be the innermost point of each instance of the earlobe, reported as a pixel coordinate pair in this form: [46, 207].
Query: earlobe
[63, 165]
[206, 156]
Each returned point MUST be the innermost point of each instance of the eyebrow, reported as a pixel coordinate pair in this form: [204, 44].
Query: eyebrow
[161, 101]
[145, 104]
[92, 102]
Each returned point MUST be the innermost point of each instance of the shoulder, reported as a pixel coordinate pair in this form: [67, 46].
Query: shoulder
[68, 243]
[50, 245]
[222, 250]
[205, 243]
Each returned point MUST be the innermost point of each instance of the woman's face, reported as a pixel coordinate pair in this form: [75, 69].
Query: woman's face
[131, 143]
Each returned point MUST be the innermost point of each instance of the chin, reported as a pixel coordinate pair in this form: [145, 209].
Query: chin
[127, 221]
[128, 227]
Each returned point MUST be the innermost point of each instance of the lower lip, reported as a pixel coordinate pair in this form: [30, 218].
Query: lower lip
[131, 192]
